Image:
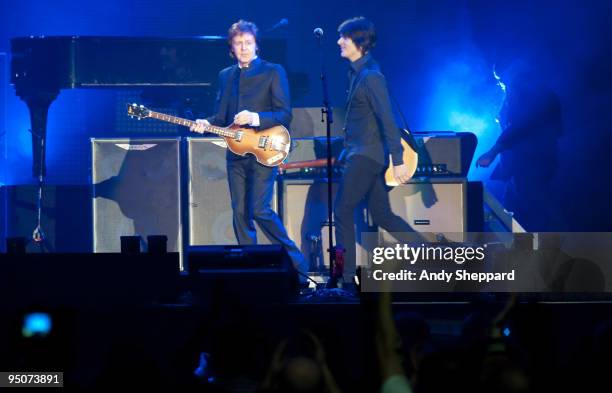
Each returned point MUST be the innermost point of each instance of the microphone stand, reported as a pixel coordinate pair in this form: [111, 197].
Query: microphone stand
[38, 235]
[327, 116]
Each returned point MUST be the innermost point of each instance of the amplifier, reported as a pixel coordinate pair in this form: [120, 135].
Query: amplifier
[443, 206]
[210, 208]
[444, 154]
[304, 207]
[136, 185]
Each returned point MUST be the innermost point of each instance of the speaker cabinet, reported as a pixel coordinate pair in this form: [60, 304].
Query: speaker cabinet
[210, 209]
[450, 207]
[137, 191]
[304, 216]
[304, 206]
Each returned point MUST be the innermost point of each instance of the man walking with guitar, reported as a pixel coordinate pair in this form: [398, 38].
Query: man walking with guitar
[371, 136]
[254, 93]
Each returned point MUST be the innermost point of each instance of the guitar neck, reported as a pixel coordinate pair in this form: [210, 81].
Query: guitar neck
[188, 123]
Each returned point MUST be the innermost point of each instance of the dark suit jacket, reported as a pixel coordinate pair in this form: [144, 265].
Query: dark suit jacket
[262, 88]
[370, 126]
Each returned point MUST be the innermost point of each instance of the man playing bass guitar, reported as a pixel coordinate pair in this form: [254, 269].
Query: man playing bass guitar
[253, 93]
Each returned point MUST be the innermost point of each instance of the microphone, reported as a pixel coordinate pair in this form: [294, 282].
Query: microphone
[318, 32]
[280, 23]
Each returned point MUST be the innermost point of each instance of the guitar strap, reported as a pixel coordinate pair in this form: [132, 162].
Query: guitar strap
[407, 135]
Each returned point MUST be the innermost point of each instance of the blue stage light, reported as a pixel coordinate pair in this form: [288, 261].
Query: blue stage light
[36, 324]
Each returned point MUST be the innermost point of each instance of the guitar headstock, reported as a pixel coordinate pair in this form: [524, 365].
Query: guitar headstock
[138, 111]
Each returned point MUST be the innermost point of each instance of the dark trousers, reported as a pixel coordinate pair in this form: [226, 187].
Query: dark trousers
[363, 178]
[251, 186]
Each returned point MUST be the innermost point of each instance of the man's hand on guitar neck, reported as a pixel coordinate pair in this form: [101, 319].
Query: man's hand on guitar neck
[199, 125]
[401, 173]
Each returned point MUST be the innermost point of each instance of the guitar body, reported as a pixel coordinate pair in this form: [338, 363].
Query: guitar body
[411, 159]
[270, 146]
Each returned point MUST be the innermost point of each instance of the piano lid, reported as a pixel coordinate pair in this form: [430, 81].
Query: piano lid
[85, 61]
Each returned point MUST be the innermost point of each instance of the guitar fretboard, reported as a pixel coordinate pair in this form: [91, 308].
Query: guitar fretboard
[188, 123]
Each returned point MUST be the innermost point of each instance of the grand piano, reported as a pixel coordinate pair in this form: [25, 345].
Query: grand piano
[42, 66]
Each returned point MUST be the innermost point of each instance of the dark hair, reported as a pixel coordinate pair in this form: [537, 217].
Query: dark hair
[361, 31]
[238, 28]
